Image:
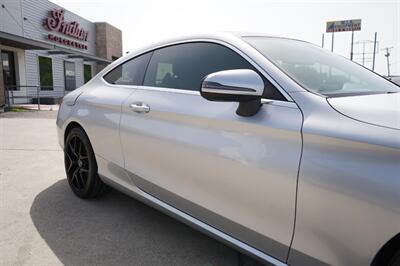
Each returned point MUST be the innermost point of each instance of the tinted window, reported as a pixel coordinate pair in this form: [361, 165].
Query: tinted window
[183, 66]
[45, 73]
[87, 72]
[130, 72]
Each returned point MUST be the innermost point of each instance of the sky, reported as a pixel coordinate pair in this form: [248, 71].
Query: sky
[145, 21]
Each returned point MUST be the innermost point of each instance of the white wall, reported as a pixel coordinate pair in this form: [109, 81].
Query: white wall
[11, 17]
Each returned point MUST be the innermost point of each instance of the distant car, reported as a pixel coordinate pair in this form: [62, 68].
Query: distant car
[275, 146]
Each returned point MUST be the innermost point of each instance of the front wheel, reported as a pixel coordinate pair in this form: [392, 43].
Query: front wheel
[395, 260]
[80, 165]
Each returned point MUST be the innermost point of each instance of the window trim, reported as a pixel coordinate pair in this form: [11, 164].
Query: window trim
[172, 90]
[207, 40]
[288, 104]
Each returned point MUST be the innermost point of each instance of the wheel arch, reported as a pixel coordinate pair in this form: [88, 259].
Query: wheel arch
[70, 126]
[387, 251]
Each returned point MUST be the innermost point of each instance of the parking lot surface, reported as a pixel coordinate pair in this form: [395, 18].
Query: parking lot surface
[43, 223]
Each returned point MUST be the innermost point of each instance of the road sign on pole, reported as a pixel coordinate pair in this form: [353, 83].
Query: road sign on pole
[343, 25]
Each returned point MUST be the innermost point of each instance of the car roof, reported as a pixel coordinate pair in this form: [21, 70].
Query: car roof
[223, 36]
[228, 37]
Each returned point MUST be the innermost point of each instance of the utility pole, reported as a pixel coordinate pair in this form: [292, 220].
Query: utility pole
[373, 58]
[363, 54]
[387, 49]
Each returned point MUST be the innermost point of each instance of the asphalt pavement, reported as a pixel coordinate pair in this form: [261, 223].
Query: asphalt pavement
[43, 223]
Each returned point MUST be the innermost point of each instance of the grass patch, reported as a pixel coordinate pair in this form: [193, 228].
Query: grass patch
[17, 109]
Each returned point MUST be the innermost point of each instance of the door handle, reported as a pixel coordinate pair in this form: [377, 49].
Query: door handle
[139, 107]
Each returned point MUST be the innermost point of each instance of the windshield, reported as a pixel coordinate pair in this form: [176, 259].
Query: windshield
[319, 70]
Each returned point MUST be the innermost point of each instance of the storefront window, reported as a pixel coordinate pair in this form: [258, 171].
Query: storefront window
[70, 76]
[87, 72]
[45, 73]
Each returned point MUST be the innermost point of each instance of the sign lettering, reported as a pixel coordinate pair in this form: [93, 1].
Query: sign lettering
[56, 22]
[343, 25]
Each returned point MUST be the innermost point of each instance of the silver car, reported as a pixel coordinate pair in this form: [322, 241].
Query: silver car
[275, 146]
[395, 79]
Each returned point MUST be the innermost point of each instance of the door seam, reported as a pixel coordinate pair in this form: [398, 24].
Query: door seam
[297, 186]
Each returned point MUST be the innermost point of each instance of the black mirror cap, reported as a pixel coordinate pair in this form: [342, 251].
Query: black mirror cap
[248, 105]
[217, 97]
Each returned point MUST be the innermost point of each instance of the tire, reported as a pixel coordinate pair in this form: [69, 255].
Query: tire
[395, 260]
[81, 167]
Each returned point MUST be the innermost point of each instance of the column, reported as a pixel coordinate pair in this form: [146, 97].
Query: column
[2, 90]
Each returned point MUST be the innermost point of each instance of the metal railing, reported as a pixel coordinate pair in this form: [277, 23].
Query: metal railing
[17, 95]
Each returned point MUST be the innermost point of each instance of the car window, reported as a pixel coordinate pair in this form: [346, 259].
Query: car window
[184, 66]
[319, 70]
[130, 72]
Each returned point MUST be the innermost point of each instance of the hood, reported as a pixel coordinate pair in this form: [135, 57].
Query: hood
[377, 109]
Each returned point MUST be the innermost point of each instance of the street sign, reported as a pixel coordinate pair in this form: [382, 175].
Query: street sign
[343, 25]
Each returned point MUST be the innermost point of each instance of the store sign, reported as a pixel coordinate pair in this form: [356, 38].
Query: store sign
[56, 22]
[66, 42]
[343, 25]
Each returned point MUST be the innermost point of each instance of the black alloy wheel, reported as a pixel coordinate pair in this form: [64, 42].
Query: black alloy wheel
[81, 166]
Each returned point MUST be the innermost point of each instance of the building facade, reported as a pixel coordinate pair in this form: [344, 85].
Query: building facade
[47, 50]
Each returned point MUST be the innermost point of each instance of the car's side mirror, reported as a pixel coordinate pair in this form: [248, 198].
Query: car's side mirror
[239, 85]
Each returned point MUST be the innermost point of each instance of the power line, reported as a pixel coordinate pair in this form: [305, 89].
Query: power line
[366, 55]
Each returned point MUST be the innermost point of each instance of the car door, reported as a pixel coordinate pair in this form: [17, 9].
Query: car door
[100, 109]
[237, 174]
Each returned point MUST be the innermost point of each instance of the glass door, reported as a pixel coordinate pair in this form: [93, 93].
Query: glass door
[8, 63]
[70, 76]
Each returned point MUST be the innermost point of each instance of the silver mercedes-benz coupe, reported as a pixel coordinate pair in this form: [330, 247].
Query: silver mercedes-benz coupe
[274, 146]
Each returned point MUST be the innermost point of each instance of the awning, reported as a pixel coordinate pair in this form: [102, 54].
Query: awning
[22, 42]
[29, 44]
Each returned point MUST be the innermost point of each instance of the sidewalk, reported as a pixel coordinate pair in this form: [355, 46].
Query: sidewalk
[35, 107]
[30, 113]
[43, 107]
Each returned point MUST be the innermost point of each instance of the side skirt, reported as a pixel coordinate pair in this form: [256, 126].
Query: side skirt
[139, 194]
